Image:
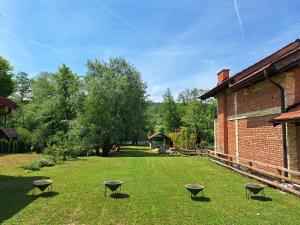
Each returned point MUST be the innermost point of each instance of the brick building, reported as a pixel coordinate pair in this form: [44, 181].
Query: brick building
[258, 116]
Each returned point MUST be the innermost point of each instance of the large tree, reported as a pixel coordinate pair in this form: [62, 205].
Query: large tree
[171, 113]
[6, 75]
[116, 101]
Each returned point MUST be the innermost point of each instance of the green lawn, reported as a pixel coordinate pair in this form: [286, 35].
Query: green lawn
[153, 193]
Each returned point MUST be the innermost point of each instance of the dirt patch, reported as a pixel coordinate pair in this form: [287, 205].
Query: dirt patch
[8, 161]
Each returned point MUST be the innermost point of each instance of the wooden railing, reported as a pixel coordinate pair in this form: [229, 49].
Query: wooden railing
[255, 169]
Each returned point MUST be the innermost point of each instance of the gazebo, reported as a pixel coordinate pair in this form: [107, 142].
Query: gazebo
[159, 140]
[6, 106]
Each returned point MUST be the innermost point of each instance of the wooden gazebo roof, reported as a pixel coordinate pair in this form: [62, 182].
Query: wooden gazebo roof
[8, 104]
[9, 133]
[156, 134]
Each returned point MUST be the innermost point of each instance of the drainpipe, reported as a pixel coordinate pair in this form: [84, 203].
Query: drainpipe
[282, 102]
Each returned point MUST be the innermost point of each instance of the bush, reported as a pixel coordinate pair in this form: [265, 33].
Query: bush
[43, 162]
[203, 144]
[32, 166]
[185, 139]
[38, 163]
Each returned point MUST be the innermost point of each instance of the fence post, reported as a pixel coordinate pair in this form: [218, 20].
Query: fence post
[250, 165]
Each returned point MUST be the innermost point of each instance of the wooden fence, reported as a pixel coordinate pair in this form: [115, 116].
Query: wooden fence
[258, 170]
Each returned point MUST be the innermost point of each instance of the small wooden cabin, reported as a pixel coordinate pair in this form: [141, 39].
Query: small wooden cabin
[159, 140]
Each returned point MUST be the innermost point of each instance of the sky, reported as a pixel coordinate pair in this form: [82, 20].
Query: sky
[174, 44]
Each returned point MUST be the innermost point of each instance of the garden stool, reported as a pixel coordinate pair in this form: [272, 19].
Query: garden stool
[113, 185]
[254, 189]
[195, 189]
[42, 185]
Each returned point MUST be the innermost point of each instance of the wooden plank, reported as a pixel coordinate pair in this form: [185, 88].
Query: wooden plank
[256, 162]
[260, 179]
[283, 178]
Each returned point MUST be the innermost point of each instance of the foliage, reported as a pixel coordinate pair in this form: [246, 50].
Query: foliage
[199, 117]
[185, 139]
[36, 164]
[23, 86]
[56, 101]
[188, 95]
[171, 114]
[6, 75]
[32, 166]
[116, 102]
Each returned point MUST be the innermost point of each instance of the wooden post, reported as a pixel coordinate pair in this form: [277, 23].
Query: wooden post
[230, 158]
[250, 165]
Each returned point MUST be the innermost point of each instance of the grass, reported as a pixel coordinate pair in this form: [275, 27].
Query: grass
[153, 193]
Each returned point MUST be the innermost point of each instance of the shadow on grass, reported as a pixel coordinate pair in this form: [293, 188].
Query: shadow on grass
[261, 198]
[46, 194]
[15, 194]
[119, 195]
[201, 199]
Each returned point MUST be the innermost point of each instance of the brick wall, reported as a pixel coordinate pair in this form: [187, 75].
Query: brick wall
[258, 97]
[297, 84]
[230, 103]
[298, 144]
[260, 141]
[222, 123]
[231, 138]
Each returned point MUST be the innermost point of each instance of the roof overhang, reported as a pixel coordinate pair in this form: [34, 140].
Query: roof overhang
[275, 68]
[156, 134]
[292, 115]
[280, 61]
[7, 104]
[215, 90]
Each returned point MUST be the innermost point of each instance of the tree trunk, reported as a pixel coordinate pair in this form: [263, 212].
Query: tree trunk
[106, 146]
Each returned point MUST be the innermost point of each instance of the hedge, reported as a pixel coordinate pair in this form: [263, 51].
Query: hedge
[14, 146]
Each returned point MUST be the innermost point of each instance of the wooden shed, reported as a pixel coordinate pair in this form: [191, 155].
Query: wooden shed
[9, 133]
[159, 140]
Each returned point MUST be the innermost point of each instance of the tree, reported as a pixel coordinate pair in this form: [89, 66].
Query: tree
[199, 117]
[23, 86]
[67, 87]
[171, 114]
[6, 75]
[188, 95]
[116, 102]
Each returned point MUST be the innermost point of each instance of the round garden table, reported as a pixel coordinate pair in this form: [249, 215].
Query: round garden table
[113, 185]
[42, 185]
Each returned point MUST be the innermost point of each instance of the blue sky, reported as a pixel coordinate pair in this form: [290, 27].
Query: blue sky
[173, 43]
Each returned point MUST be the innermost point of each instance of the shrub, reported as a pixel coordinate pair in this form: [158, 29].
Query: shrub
[43, 162]
[38, 163]
[203, 144]
[185, 139]
[32, 166]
